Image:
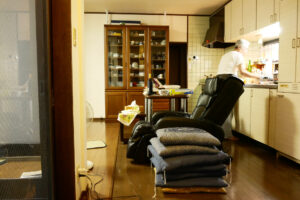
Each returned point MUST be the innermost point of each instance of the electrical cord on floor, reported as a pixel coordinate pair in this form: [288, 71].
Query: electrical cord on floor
[93, 194]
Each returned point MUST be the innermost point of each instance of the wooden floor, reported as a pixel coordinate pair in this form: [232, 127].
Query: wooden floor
[256, 174]
[14, 168]
[104, 159]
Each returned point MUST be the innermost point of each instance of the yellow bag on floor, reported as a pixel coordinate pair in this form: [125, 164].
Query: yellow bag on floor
[127, 116]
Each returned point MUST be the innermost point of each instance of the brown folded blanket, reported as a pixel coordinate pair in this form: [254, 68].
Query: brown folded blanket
[187, 190]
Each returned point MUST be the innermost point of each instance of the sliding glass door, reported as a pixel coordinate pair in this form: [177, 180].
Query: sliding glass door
[25, 150]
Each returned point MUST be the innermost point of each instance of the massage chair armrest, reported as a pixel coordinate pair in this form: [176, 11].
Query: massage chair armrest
[158, 115]
[206, 125]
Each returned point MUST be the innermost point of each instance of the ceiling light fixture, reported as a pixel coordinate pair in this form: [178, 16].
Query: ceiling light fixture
[272, 31]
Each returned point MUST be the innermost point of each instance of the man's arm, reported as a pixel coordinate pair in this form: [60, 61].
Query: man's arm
[246, 73]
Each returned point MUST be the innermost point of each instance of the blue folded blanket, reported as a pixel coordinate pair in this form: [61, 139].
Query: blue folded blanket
[196, 168]
[186, 175]
[191, 182]
[176, 150]
[177, 162]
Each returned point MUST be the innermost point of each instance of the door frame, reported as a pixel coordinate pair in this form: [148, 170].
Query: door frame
[62, 99]
[39, 187]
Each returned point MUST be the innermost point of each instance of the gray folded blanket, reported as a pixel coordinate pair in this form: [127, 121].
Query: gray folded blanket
[177, 162]
[191, 182]
[175, 150]
[186, 136]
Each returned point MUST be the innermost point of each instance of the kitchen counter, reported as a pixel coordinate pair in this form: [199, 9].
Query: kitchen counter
[269, 86]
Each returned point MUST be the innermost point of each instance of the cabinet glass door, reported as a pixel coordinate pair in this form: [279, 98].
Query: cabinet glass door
[159, 54]
[137, 57]
[115, 57]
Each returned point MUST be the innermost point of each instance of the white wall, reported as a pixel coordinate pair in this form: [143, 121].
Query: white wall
[94, 62]
[79, 115]
[94, 50]
[208, 61]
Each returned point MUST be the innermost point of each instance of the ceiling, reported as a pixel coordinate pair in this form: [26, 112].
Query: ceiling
[188, 7]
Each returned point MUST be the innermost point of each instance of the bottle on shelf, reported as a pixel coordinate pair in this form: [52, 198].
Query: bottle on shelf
[249, 68]
[150, 85]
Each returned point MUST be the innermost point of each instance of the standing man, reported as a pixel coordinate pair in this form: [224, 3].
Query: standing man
[232, 63]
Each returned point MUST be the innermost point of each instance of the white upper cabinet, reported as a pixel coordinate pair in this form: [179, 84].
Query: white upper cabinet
[267, 12]
[276, 11]
[227, 34]
[243, 17]
[298, 47]
[288, 41]
[236, 18]
[249, 16]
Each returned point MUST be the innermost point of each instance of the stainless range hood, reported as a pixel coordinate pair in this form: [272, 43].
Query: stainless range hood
[215, 34]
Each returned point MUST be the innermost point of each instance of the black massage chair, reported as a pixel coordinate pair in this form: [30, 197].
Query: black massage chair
[214, 105]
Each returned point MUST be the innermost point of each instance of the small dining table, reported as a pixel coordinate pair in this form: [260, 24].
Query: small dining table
[149, 103]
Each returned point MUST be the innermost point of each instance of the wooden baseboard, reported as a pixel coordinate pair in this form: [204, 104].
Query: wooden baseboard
[99, 119]
[111, 120]
[278, 154]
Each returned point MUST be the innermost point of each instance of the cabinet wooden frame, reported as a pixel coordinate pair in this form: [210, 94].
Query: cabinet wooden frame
[120, 103]
[126, 55]
[126, 89]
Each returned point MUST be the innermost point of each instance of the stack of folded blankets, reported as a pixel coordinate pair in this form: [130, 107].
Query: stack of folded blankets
[188, 160]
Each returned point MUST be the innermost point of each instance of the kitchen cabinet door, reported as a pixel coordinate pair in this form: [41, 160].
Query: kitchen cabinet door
[249, 16]
[276, 16]
[237, 19]
[138, 97]
[265, 11]
[243, 113]
[287, 38]
[159, 53]
[272, 117]
[161, 105]
[115, 102]
[227, 34]
[115, 67]
[136, 57]
[298, 47]
[287, 131]
[260, 115]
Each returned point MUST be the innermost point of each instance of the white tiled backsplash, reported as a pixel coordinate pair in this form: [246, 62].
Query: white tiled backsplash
[257, 51]
[207, 59]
